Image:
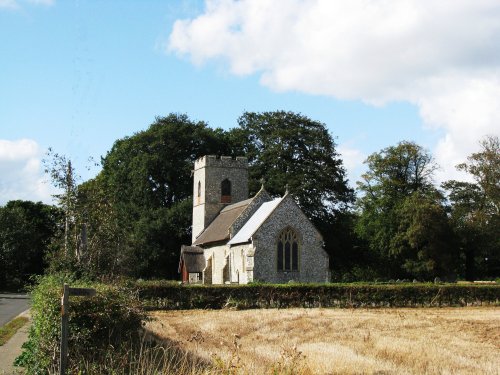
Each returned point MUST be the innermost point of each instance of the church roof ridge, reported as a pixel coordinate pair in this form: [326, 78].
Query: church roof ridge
[254, 223]
[237, 204]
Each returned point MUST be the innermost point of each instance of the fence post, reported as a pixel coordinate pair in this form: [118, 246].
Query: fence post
[64, 330]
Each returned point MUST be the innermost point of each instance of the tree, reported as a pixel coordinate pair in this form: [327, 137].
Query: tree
[63, 177]
[291, 151]
[146, 181]
[484, 166]
[104, 235]
[401, 216]
[475, 211]
[26, 232]
[424, 237]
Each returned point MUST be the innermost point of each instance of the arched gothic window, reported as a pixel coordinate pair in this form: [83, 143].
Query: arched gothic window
[199, 192]
[288, 250]
[225, 191]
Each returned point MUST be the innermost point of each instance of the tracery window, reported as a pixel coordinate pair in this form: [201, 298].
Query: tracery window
[288, 250]
[225, 191]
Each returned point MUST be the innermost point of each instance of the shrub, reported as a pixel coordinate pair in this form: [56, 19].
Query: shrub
[110, 318]
[167, 295]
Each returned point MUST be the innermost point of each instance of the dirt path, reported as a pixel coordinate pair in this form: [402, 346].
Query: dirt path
[342, 341]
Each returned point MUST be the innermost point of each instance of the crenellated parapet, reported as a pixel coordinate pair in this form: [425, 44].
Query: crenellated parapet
[221, 162]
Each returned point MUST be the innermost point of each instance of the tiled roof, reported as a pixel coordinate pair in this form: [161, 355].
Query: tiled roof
[257, 219]
[193, 257]
[218, 230]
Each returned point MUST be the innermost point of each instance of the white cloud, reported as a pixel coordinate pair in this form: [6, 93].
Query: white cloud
[14, 4]
[21, 172]
[353, 159]
[442, 56]
[42, 2]
[8, 4]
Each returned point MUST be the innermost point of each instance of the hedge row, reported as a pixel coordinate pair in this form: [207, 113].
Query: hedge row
[108, 319]
[167, 295]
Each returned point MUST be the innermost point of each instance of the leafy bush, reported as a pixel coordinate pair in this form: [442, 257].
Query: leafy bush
[110, 318]
[157, 295]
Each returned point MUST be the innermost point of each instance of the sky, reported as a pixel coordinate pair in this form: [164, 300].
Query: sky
[78, 75]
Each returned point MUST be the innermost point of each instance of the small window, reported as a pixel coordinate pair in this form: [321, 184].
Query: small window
[199, 192]
[225, 189]
[288, 251]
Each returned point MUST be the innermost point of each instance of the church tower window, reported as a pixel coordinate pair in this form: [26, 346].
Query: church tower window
[198, 197]
[225, 188]
[288, 250]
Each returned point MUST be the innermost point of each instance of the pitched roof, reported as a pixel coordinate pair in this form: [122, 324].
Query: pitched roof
[193, 257]
[218, 230]
[254, 223]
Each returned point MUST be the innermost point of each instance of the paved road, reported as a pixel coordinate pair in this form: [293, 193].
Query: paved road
[11, 305]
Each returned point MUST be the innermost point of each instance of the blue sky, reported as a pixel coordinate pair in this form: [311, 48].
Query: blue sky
[78, 75]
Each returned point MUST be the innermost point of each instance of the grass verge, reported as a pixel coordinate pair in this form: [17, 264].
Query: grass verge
[9, 330]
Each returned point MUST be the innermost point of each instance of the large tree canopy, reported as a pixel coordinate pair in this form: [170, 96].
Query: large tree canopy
[291, 150]
[147, 180]
[475, 210]
[133, 217]
[397, 205]
[26, 231]
[140, 205]
[152, 168]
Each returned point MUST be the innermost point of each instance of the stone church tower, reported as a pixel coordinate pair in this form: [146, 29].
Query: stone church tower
[218, 182]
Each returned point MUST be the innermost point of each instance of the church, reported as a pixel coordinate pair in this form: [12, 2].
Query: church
[238, 240]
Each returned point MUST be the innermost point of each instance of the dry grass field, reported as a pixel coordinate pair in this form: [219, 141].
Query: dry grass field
[340, 341]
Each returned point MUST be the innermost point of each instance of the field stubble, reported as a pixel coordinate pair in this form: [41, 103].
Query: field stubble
[339, 341]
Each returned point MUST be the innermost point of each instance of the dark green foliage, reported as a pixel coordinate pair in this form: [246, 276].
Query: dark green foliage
[110, 318]
[26, 232]
[139, 207]
[475, 211]
[105, 235]
[289, 150]
[152, 168]
[167, 295]
[402, 218]
[145, 188]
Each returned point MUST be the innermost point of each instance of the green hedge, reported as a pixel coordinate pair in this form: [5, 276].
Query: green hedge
[110, 318]
[158, 295]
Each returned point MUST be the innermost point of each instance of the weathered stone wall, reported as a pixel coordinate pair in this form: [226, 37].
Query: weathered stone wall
[209, 172]
[218, 256]
[313, 260]
[241, 263]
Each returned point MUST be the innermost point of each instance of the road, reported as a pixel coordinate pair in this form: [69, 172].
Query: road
[11, 305]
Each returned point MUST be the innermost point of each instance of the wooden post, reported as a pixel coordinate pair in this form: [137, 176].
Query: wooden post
[64, 330]
[67, 291]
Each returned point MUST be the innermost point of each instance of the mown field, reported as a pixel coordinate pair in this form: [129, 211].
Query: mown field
[339, 341]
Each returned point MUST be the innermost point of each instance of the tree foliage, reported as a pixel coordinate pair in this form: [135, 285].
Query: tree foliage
[401, 215]
[133, 217]
[146, 184]
[26, 232]
[475, 210]
[292, 151]
[64, 177]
